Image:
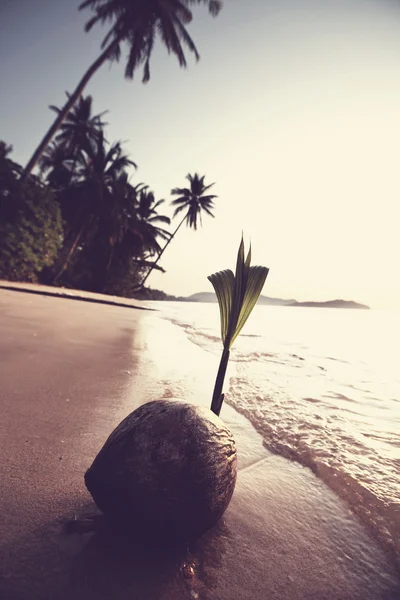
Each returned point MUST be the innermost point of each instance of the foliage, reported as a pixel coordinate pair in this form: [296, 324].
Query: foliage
[78, 132]
[111, 226]
[152, 294]
[123, 277]
[9, 172]
[113, 231]
[30, 224]
[80, 128]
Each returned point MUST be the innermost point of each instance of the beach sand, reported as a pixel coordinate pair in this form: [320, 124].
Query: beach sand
[69, 372]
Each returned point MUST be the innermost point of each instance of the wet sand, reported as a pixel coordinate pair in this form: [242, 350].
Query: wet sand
[69, 372]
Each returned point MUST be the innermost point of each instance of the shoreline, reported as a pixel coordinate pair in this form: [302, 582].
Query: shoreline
[349, 492]
[84, 367]
[254, 449]
[71, 294]
[265, 398]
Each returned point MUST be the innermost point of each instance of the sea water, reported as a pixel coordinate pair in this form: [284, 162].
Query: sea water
[322, 386]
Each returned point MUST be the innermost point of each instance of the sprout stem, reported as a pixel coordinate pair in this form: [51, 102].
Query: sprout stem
[218, 396]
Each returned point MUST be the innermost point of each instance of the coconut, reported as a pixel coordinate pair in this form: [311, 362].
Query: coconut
[167, 471]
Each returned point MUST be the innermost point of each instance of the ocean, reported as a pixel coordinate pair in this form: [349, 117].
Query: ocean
[322, 387]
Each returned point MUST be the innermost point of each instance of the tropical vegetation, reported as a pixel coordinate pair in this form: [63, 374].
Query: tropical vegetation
[79, 220]
[30, 223]
[82, 222]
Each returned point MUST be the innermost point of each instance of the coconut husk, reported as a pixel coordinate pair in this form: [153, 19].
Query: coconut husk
[168, 470]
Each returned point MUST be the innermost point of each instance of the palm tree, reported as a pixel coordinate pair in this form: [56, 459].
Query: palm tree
[77, 133]
[56, 165]
[139, 221]
[123, 196]
[129, 237]
[147, 223]
[88, 202]
[193, 200]
[80, 128]
[100, 166]
[137, 23]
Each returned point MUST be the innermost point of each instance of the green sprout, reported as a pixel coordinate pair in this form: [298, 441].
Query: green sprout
[237, 295]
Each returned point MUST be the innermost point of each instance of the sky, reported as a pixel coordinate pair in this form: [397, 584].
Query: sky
[293, 111]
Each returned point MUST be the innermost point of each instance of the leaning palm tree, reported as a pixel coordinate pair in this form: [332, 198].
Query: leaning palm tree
[137, 23]
[193, 201]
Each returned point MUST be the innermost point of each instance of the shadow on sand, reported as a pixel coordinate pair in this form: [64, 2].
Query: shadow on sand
[52, 563]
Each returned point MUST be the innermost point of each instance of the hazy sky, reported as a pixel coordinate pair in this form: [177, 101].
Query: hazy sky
[293, 110]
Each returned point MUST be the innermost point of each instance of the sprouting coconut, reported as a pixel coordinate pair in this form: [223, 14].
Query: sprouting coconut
[169, 469]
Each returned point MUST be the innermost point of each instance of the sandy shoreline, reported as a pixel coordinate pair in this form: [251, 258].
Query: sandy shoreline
[60, 292]
[69, 372]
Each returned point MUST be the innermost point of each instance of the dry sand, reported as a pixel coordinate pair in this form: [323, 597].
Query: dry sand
[61, 292]
[69, 372]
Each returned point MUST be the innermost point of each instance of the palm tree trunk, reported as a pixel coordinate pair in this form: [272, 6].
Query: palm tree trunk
[69, 104]
[70, 253]
[161, 253]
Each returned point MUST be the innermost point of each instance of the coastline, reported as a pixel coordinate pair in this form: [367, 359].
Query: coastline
[70, 294]
[71, 372]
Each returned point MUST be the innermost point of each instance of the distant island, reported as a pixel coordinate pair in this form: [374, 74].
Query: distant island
[332, 304]
[149, 294]
[211, 297]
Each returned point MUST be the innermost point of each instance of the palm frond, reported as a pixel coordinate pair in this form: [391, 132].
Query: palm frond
[160, 219]
[205, 199]
[180, 192]
[158, 203]
[182, 200]
[206, 210]
[183, 34]
[140, 22]
[178, 210]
